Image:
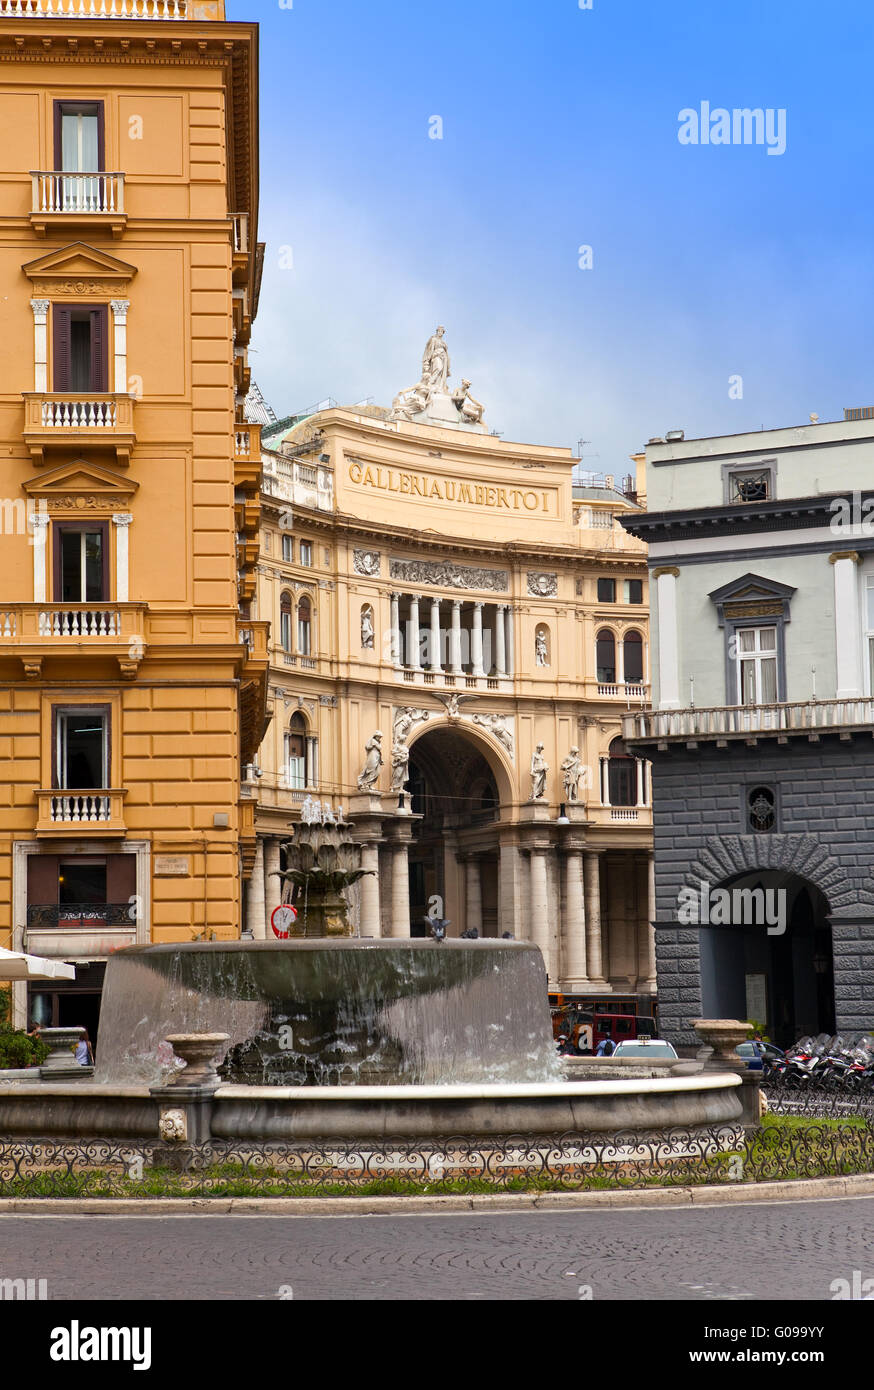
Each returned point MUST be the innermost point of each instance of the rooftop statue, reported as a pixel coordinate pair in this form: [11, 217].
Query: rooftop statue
[431, 396]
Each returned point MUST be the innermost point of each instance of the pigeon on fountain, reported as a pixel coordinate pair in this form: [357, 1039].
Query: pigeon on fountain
[437, 926]
[470, 935]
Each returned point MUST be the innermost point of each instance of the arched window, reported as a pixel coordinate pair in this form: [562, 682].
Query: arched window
[605, 656]
[301, 755]
[304, 626]
[621, 775]
[285, 620]
[632, 658]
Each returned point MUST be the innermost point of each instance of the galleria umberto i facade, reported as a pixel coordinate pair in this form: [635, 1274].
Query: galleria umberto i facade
[456, 630]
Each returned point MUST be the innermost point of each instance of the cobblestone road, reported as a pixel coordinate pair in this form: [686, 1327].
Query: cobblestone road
[736, 1252]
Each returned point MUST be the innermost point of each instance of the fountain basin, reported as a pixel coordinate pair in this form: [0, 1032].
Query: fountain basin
[293, 1113]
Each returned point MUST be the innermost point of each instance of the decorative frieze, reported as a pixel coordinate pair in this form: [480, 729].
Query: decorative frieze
[449, 575]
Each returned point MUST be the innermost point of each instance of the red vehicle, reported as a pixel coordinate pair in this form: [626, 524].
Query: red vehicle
[586, 1025]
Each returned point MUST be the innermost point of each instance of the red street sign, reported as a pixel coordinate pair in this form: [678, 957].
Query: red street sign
[281, 920]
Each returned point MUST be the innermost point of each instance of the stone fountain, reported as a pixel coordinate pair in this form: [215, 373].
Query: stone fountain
[322, 862]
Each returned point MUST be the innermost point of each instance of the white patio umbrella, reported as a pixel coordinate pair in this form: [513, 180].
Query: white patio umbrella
[17, 965]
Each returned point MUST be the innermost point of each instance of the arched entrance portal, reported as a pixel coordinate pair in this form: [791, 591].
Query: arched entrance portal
[454, 853]
[778, 972]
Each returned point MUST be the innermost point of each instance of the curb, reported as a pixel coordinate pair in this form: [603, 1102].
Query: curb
[793, 1190]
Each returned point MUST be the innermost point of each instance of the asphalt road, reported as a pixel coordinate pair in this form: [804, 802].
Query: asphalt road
[736, 1252]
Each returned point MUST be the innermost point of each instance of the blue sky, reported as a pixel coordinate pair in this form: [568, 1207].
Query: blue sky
[560, 130]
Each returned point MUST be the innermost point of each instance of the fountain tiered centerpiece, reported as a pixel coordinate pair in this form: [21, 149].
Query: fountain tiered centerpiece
[322, 862]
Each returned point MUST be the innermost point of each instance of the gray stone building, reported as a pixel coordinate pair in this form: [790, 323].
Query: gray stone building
[761, 729]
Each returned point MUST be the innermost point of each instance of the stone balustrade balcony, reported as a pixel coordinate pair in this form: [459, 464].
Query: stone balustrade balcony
[34, 632]
[96, 812]
[247, 457]
[71, 199]
[93, 9]
[722, 724]
[87, 420]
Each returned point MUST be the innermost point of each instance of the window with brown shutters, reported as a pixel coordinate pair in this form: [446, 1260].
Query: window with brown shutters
[80, 357]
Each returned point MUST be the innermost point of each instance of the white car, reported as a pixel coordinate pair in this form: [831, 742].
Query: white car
[646, 1047]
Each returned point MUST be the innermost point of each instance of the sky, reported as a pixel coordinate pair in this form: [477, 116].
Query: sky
[728, 288]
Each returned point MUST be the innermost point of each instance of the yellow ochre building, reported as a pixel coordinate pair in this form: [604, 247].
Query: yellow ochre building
[455, 630]
[132, 684]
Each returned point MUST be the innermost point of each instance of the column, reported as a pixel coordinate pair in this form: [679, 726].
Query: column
[510, 644]
[476, 642]
[119, 314]
[395, 630]
[539, 903]
[592, 879]
[849, 675]
[369, 924]
[121, 521]
[473, 916]
[455, 639]
[255, 920]
[646, 933]
[574, 966]
[640, 769]
[39, 522]
[40, 309]
[509, 896]
[620, 661]
[413, 635]
[434, 653]
[669, 650]
[500, 641]
[400, 891]
[272, 882]
[604, 765]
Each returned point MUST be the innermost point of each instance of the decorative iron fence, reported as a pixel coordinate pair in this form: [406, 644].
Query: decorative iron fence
[81, 914]
[779, 1150]
[793, 1096]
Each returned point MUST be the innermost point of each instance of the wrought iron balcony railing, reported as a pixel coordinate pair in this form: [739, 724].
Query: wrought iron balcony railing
[743, 721]
[80, 915]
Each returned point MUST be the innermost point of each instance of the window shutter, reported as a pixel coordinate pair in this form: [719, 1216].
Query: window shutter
[101, 137]
[99, 374]
[62, 371]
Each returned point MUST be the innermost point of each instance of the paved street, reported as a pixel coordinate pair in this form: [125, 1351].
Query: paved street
[736, 1252]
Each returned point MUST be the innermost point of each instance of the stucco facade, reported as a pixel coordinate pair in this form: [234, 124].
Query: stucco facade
[130, 681]
[449, 587]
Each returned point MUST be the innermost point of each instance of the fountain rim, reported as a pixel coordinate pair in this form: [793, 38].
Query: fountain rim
[712, 1081]
[325, 943]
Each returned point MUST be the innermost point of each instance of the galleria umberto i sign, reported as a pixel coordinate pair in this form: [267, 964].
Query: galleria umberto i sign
[442, 488]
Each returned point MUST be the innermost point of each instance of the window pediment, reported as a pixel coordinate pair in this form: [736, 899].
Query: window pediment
[752, 596]
[79, 269]
[81, 487]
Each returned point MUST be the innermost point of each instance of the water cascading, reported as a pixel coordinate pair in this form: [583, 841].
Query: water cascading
[347, 1011]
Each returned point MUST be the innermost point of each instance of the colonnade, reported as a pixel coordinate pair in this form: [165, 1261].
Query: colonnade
[447, 657]
[549, 894]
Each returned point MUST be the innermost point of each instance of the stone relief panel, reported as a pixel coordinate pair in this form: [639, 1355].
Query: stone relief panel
[543, 585]
[366, 562]
[450, 575]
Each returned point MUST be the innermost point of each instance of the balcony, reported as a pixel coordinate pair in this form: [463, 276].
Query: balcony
[85, 201]
[723, 724]
[79, 420]
[80, 929]
[96, 813]
[623, 690]
[240, 260]
[247, 457]
[93, 9]
[34, 631]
